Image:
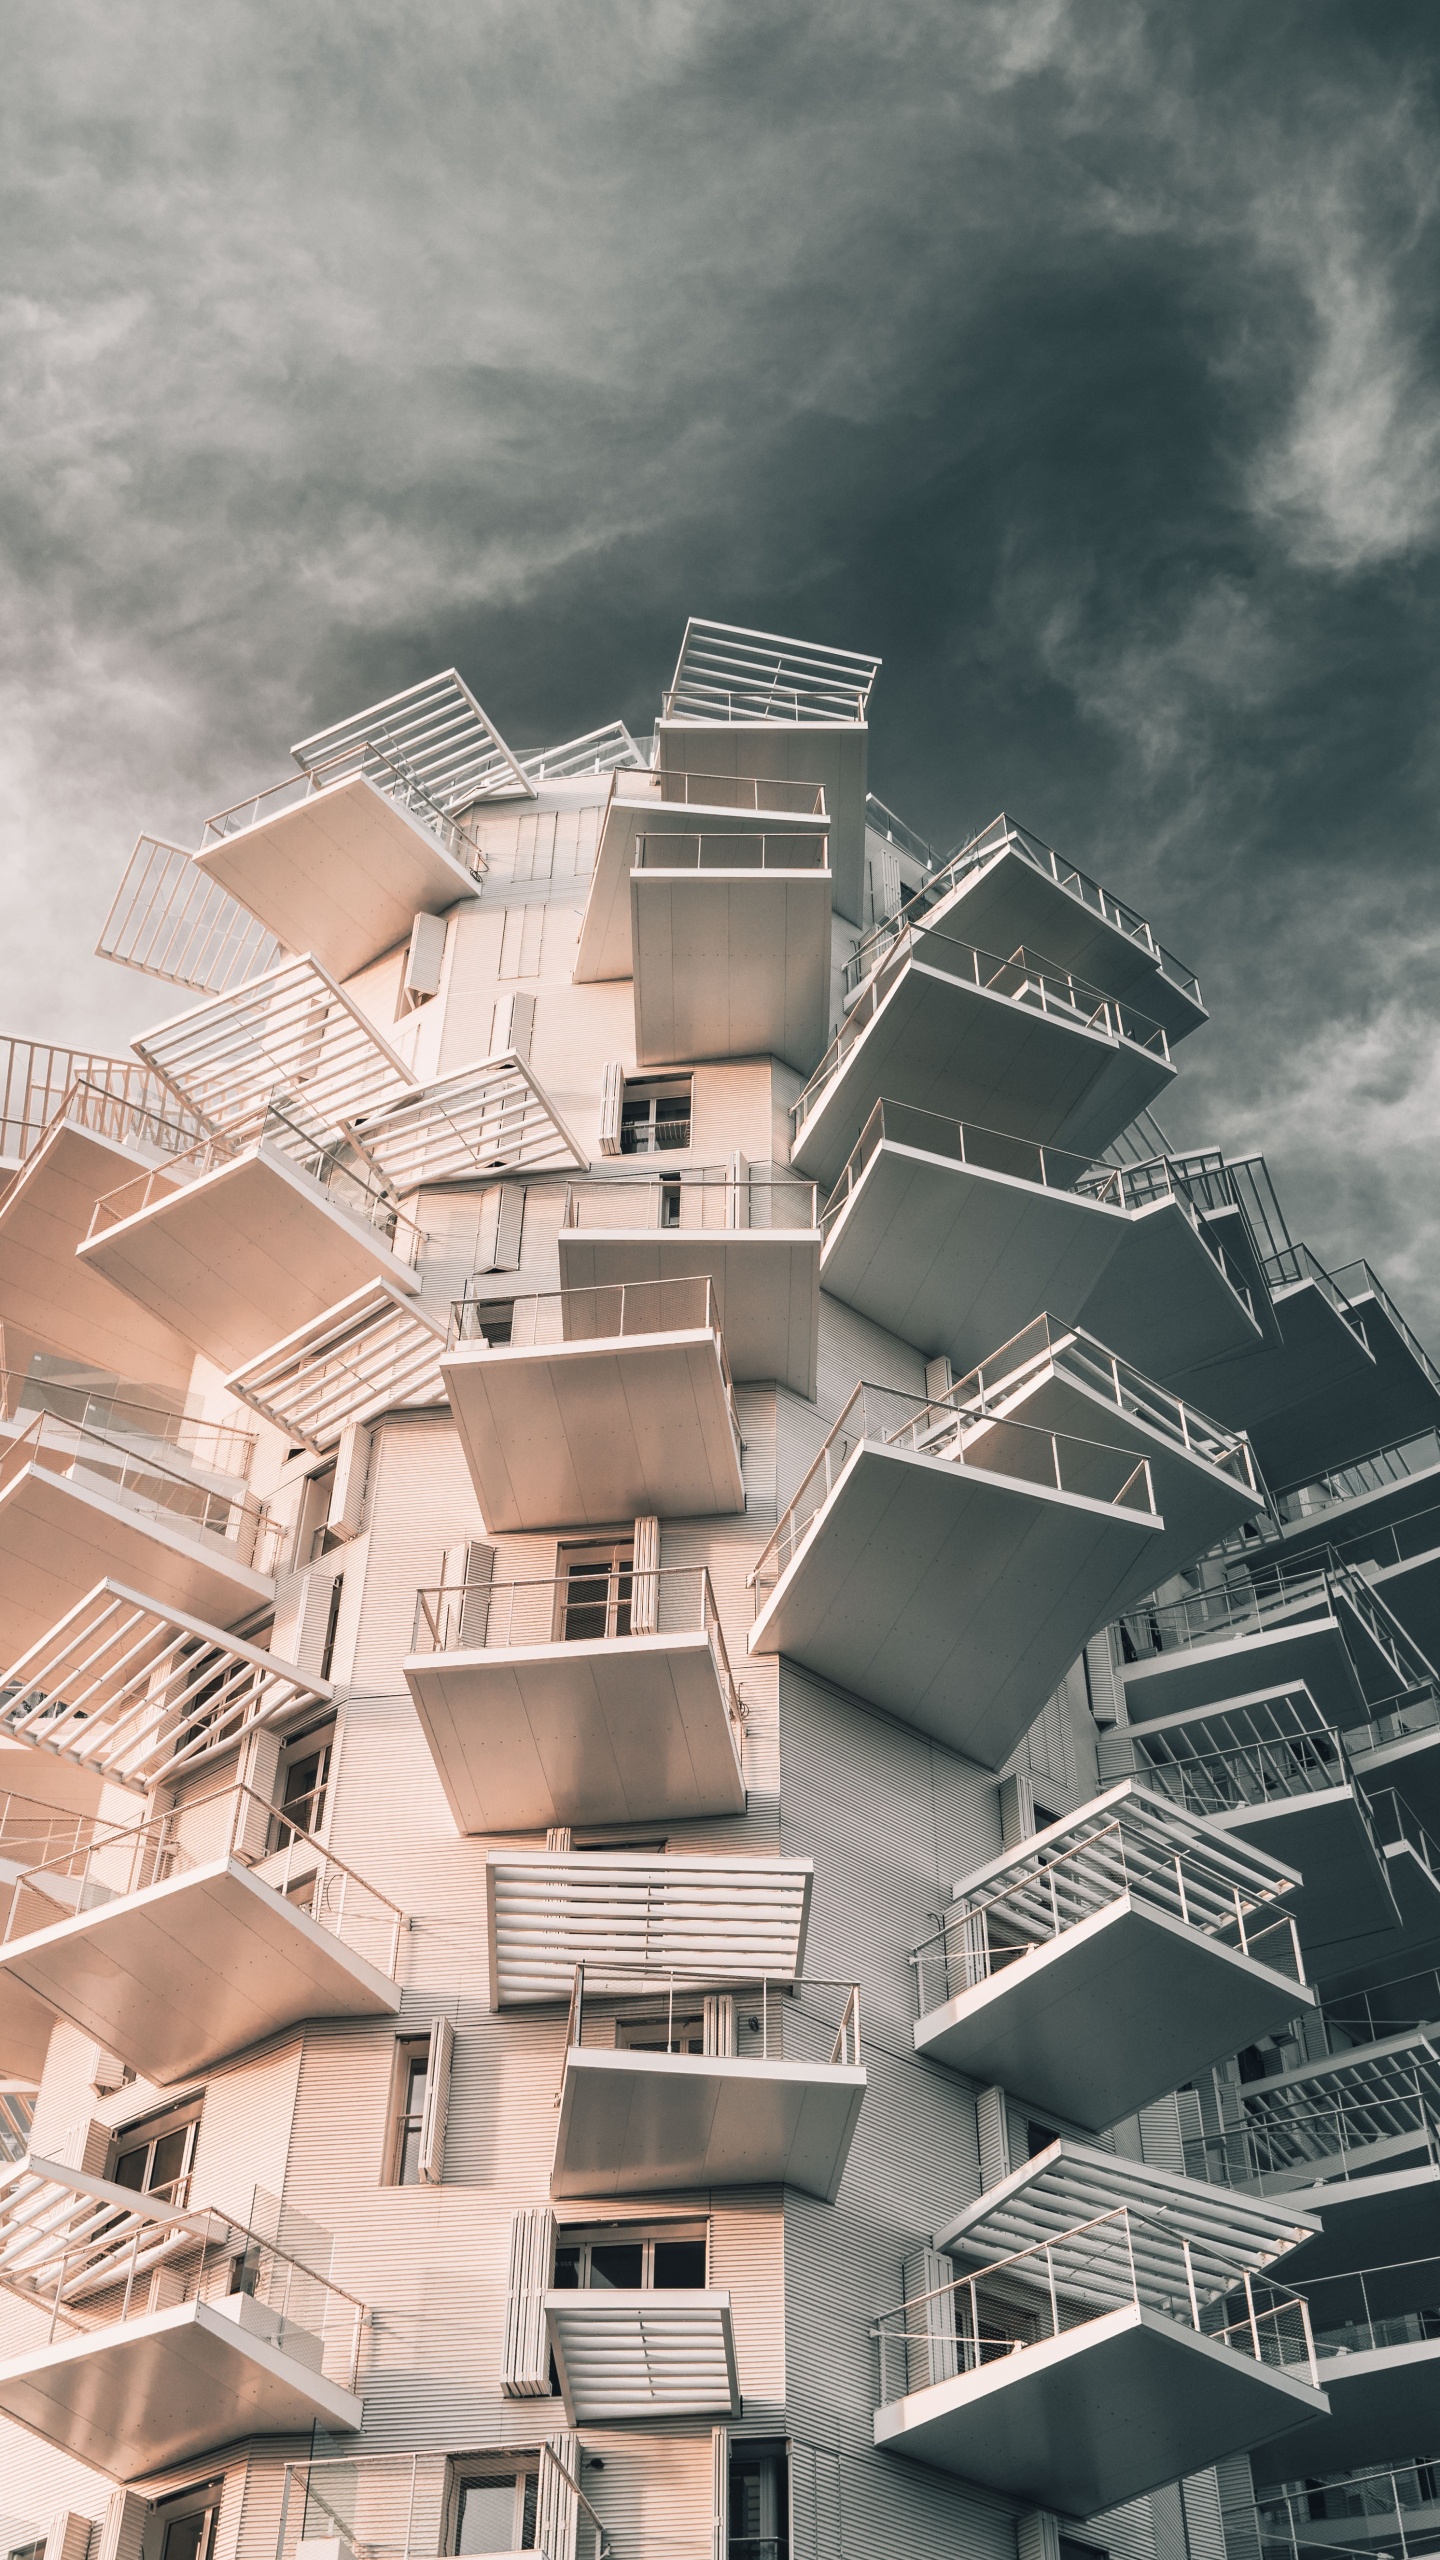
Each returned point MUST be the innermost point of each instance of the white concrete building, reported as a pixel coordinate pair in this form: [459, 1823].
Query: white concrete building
[717, 1718]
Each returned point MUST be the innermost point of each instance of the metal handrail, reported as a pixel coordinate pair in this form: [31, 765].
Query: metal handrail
[414, 2542]
[154, 1490]
[334, 1163]
[615, 1309]
[1374, 1288]
[1045, 1342]
[633, 1982]
[480, 1616]
[966, 1142]
[1326, 2144]
[355, 761]
[757, 792]
[793, 852]
[884, 822]
[667, 1197]
[219, 1448]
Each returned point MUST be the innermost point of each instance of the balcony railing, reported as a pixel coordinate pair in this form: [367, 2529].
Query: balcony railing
[1372, 1474]
[1295, 1263]
[120, 1859]
[1023, 978]
[963, 1142]
[1044, 1344]
[1356, 1280]
[1328, 2145]
[1057, 2286]
[95, 2256]
[755, 792]
[579, 1608]
[39, 1084]
[615, 1310]
[889, 1418]
[31, 1833]
[1004, 836]
[1268, 1751]
[691, 1201]
[724, 673]
[1161, 1178]
[1273, 1595]
[397, 2506]
[883, 822]
[1352, 2516]
[331, 1163]
[361, 759]
[215, 1448]
[712, 852]
[97, 1461]
[786, 2018]
[1083, 1865]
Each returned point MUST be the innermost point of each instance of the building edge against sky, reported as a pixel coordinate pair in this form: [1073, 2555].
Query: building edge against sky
[720, 1742]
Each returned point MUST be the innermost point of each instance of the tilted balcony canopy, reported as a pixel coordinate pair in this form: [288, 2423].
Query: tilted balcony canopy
[714, 1920]
[607, 750]
[292, 1032]
[373, 1351]
[169, 920]
[172, 2331]
[725, 673]
[1349, 2116]
[1111, 1957]
[436, 731]
[643, 2354]
[1316, 1624]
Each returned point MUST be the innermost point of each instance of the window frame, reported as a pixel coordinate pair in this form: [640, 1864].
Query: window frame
[468, 2470]
[409, 2049]
[587, 2236]
[652, 1091]
[156, 2126]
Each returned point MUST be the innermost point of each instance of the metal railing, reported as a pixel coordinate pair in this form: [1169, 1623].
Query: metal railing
[332, 1163]
[725, 673]
[1209, 1769]
[1212, 1887]
[585, 1607]
[1398, 2509]
[1044, 1344]
[120, 1859]
[713, 852]
[883, 822]
[1083, 2275]
[105, 1464]
[964, 1142]
[763, 2020]
[1004, 836]
[755, 792]
[38, 1084]
[362, 758]
[1327, 2145]
[1359, 2331]
[691, 1200]
[31, 1833]
[398, 2506]
[217, 1448]
[890, 1418]
[1021, 977]
[1356, 1280]
[1315, 1583]
[612, 1311]
[1295, 1263]
[1374, 1473]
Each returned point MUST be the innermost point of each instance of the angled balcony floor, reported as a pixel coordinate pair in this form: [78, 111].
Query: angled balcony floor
[766, 1278]
[1382, 2405]
[1373, 2220]
[1166, 1302]
[26, 2025]
[243, 1256]
[1312, 1400]
[341, 873]
[48, 1292]
[731, 963]
[643, 2355]
[635, 2124]
[1409, 1762]
[1345, 1907]
[1310, 1649]
[61, 1534]
[655, 804]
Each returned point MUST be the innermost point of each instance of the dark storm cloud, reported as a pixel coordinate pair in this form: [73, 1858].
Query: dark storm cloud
[1082, 360]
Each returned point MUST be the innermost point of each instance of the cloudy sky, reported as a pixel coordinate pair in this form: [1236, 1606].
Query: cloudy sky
[1082, 360]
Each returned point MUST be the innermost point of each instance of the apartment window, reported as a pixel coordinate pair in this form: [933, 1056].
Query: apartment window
[669, 1204]
[155, 2157]
[655, 1114]
[305, 1775]
[593, 1591]
[407, 2117]
[189, 2537]
[657, 2033]
[759, 2503]
[489, 1320]
[182, 2526]
[668, 2258]
[494, 2504]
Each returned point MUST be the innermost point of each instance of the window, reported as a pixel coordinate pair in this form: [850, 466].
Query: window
[594, 1586]
[189, 2537]
[759, 2503]
[494, 2506]
[412, 2073]
[655, 1114]
[670, 1204]
[667, 2258]
[489, 1320]
[305, 1776]
[659, 2034]
[155, 2157]
[182, 2526]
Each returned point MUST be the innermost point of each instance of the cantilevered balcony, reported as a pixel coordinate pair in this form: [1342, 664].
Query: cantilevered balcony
[584, 1406]
[341, 859]
[1003, 1040]
[79, 1507]
[1396, 2511]
[1267, 1768]
[1352, 2138]
[605, 1697]
[946, 1233]
[1318, 1625]
[179, 1940]
[1377, 2346]
[1108, 2328]
[171, 2331]
[752, 1233]
[373, 1352]
[684, 806]
[768, 2094]
[236, 1247]
[721, 1920]
[1382, 1514]
[1005, 888]
[29, 1833]
[1108, 1959]
[907, 1566]
[731, 937]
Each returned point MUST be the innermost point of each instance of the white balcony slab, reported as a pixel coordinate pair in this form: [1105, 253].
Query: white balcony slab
[1165, 1303]
[1383, 2402]
[643, 2355]
[639, 805]
[971, 1053]
[61, 1535]
[1093, 2024]
[137, 2396]
[48, 1292]
[1345, 1907]
[635, 2124]
[176, 1977]
[1411, 1764]
[243, 1256]
[342, 873]
[1099, 2415]
[954, 1598]
[1009, 900]
[624, 1729]
[1310, 1653]
[1406, 1397]
[26, 2022]
[766, 1282]
[730, 964]
[834, 756]
[1309, 1401]
[573, 1434]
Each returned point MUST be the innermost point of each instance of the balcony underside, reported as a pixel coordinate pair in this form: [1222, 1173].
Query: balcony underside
[134, 2397]
[954, 1258]
[766, 1283]
[1311, 1401]
[242, 1257]
[1370, 2221]
[731, 965]
[1165, 1303]
[955, 1599]
[581, 1433]
[26, 2024]
[1345, 1909]
[1412, 1765]
[46, 1293]
[971, 1054]
[176, 1977]
[59, 1536]
[607, 948]
[1383, 2406]
[643, 2355]
[774, 750]
[342, 874]
[1406, 1396]
[637, 2124]
[1098, 2416]
[627, 1729]
[1412, 1590]
[1008, 902]
[1311, 1654]
[1123, 2007]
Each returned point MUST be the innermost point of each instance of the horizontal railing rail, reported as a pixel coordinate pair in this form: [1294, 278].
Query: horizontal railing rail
[31, 1833]
[714, 852]
[120, 1859]
[113, 1097]
[217, 1448]
[1313, 1583]
[765, 2019]
[1374, 1473]
[741, 791]
[1356, 1280]
[398, 2506]
[964, 1142]
[360, 759]
[1021, 977]
[612, 1310]
[883, 822]
[1044, 1344]
[334, 1164]
[1396, 2508]
[107, 1464]
[691, 1199]
[582, 1607]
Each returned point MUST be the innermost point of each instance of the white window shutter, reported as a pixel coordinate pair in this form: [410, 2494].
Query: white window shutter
[123, 2526]
[1017, 1808]
[612, 1098]
[645, 1579]
[502, 1218]
[437, 2102]
[992, 2125]
[720, 2495]
[347, 1489]
[68, 2537]
[557, 2509]
[931, 2353]
[526, 2373]
[424, 960]
[512, 1027]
